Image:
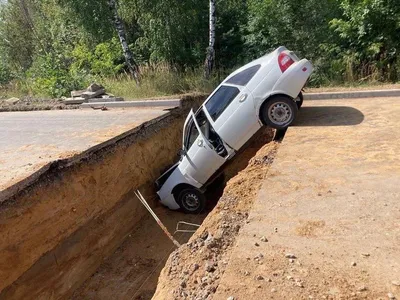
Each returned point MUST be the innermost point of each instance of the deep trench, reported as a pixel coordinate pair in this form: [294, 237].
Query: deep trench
[75, 229]
[132, 271]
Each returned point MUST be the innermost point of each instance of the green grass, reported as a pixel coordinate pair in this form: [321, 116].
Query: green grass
[12, 90]
[159, 83]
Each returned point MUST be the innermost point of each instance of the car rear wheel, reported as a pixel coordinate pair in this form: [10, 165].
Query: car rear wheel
[191, 201]
[299, 100]
[279, 112]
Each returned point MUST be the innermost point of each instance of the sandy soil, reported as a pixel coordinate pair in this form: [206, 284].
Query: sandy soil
[133, 270]
[330, 214]
[194, 270]
[325, 224]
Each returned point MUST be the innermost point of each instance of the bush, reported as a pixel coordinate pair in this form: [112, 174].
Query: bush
[104, 60]
[50, 75]
[5, 74]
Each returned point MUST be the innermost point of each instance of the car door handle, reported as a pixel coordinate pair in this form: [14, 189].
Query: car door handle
[243, 98]
[200, 143]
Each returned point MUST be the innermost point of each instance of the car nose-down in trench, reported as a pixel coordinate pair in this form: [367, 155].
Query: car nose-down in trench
[265, 92]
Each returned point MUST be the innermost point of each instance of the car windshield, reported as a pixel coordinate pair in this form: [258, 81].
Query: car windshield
[245, 76]
[220, 100]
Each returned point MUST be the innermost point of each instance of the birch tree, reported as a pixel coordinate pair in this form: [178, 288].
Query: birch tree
[210, 57]
[128, 55]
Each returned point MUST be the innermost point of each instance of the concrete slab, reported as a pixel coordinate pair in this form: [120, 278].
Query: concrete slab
[76, 100]
[331, 199]
[102, 100]
[137, 103]
[352, 94]
[29, 140]
[90, 95]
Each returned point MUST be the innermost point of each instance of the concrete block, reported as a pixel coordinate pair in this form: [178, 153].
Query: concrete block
[90, 95]
[77, 93]
[94, 87]
[111, 99]
[76, 100]
[139, 103]
[11, 101]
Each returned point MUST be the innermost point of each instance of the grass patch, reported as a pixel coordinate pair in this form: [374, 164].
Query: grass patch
[163, 81]
[159, 82]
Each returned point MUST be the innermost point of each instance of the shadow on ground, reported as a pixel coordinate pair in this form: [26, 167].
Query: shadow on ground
[329, 116]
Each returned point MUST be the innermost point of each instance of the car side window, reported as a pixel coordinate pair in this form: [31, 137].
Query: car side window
[193, 134]
[245, 76]
[220, 100]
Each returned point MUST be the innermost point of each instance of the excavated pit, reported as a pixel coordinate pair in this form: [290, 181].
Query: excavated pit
[132, 271]
[75, 229]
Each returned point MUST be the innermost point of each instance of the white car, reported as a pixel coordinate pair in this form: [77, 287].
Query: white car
[266, 91]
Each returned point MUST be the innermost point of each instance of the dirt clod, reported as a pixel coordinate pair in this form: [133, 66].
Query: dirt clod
[391, 296]
[259, 277]
[258, 256]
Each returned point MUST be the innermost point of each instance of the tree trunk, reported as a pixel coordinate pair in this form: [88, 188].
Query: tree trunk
[119, 26]
[210, 57]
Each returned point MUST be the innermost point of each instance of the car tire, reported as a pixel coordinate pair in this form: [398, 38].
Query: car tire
[299, 100]
[279, 112]
[191, 201]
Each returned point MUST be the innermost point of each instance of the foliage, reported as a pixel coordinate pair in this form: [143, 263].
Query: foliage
[52, 46]
[104, 59]
[369, 31]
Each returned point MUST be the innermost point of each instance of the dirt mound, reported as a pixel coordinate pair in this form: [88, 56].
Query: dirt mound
[194, 270]
[29, 103]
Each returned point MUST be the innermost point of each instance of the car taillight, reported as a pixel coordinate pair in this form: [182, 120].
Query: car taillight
[285, 61]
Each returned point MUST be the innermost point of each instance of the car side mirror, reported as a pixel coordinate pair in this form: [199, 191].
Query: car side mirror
[182, 152]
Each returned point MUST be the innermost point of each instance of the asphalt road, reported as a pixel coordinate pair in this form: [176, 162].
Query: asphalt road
[29, 140]
[331, 202]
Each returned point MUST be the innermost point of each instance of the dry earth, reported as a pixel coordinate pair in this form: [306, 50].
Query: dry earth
[325, 224]
[194, 270]
[132, 271]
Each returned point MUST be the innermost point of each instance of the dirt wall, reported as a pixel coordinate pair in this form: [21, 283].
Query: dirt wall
[57, 226]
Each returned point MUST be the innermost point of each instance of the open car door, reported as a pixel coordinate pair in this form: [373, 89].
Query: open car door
[200, 160]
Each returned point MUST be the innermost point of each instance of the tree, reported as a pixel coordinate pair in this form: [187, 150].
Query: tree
[368, 34]
[210, 57]
[119, 26]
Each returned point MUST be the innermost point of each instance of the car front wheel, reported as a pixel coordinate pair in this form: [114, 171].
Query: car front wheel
[279, 112]
[191, 201]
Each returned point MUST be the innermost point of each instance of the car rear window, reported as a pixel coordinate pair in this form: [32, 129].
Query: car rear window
[245, 76]
[220, 100]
